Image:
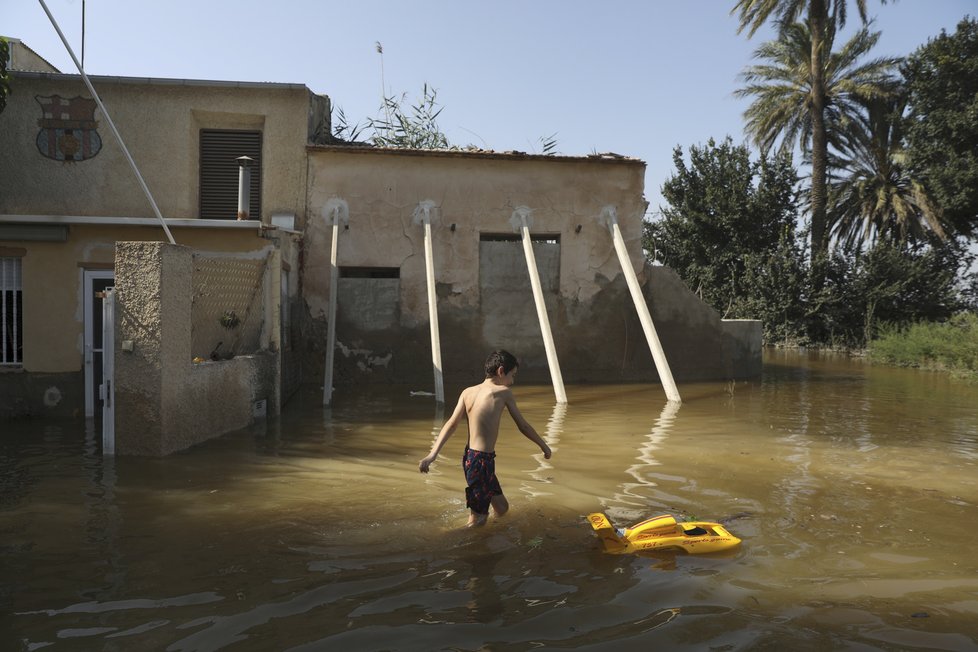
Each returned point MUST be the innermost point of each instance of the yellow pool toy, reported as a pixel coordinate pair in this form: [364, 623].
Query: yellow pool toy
[662, 533]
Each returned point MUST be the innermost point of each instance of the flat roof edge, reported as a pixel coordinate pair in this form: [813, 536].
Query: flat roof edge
[102, 220]
[477, 154]
[155, 81]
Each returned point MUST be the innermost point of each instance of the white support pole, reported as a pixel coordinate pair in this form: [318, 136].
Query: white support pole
[108, 372]
[423, 214]
[334, 273]
[111, 124]
[335, 211]
[609, 215]
[520, 218]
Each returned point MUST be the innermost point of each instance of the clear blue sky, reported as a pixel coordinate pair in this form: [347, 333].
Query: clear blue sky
[636, 77]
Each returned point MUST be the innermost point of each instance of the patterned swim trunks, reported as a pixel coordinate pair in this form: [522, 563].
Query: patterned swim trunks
[480, 476]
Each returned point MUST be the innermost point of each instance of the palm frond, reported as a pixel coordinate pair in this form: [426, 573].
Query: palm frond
[876, 196]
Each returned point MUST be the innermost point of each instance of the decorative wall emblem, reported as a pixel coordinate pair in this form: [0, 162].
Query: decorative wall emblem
[67, 128]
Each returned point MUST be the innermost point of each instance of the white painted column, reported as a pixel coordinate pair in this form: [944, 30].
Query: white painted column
[335, 211]
[609, 217]
[422, 214]
[520, 218]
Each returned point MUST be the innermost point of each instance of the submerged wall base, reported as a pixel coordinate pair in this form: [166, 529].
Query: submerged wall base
[598, 341]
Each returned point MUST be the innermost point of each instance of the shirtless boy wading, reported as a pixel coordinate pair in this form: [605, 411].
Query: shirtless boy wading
[482, 406]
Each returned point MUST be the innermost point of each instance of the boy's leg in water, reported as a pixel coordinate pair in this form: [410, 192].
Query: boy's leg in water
[499, 504]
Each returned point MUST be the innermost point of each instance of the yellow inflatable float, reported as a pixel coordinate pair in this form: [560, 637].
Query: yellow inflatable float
[662, 533]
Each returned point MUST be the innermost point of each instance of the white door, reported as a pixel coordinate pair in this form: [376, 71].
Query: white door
[94, 283]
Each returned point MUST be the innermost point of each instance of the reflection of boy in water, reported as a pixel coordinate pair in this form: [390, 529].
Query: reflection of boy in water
[482, 406]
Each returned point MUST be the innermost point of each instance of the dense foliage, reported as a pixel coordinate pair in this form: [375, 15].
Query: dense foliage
[942, 127]
[4, 78]
[729, 232]
[892, 284]
[890, 191]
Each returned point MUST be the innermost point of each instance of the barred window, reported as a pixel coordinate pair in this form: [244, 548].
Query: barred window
[11, 313]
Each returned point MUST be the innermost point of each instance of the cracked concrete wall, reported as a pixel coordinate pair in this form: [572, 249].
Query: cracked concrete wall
[507, 306]
[484, 296]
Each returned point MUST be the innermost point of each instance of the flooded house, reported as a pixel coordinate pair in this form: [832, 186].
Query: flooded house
[288, 257]
[68, 194]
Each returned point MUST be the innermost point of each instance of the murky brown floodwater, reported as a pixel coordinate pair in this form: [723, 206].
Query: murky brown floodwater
[854, 489]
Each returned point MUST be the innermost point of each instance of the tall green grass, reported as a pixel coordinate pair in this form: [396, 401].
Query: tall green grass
[949, 346]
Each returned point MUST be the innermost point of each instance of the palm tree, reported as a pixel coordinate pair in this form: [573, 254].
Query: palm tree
[822, 15]
[877, 196]
[787, 97]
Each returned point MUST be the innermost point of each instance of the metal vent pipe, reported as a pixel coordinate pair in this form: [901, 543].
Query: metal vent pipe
[244, 187]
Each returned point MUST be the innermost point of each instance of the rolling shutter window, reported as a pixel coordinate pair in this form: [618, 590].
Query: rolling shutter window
[11, 313]
[219, 172]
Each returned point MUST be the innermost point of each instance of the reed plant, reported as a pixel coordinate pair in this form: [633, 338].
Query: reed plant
[950, 346]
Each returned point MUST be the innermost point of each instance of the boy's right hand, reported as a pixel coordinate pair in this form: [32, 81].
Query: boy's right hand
[425, 463]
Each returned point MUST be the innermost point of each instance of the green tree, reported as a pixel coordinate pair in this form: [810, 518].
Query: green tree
[822, 18]
[728, 231]
[775, 281]
[874, 193]
[942, 127]
[891, 284]
[784, 107]
[4, 78]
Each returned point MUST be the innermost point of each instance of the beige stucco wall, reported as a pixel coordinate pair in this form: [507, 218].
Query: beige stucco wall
[160, 121]
[478, 194]
[164, 402]
[594, 324]
[53, 274]
[484, 299]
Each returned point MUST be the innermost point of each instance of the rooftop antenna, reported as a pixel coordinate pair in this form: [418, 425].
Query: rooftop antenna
[83, 34]
[383, 84]
[108, 119]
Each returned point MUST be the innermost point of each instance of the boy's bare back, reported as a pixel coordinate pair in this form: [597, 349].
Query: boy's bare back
[484, 405]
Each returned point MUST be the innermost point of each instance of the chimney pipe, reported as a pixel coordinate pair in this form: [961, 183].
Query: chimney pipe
[244, 187]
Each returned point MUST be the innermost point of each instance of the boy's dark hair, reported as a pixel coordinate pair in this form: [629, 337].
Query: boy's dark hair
[498, 359]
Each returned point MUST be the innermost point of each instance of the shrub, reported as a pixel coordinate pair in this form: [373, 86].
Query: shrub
[951, 345]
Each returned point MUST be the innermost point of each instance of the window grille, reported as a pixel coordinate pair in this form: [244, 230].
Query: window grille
[11, 317]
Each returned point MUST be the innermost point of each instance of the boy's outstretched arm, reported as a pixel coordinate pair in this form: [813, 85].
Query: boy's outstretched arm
[446, 432]
[525, 426]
